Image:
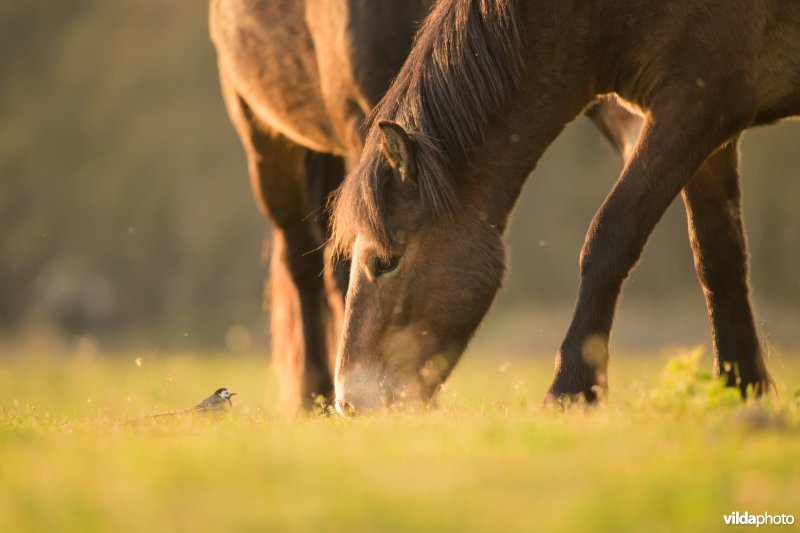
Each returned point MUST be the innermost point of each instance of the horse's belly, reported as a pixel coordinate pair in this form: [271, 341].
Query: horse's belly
[266, 52]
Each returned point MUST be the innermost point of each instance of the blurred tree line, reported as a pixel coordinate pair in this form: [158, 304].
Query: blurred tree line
[126, 212]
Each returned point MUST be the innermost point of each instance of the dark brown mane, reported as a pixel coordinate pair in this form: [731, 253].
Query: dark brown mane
[466, 60]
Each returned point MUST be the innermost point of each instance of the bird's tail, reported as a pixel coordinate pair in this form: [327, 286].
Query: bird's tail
[159, 415]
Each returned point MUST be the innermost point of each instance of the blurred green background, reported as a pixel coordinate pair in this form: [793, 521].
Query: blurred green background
[127, 219]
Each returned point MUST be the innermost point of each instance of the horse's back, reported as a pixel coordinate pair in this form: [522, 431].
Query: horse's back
[312, 69]
[266, 53]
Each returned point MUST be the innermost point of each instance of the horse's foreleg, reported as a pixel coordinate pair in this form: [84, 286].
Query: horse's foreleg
[677, 137]
[299, 317]
[324, 174]
[298, 303]
[714, 212]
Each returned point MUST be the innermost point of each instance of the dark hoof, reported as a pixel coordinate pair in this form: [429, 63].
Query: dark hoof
[563, 395]
[752, 383]
[564, 400]
[755, 388]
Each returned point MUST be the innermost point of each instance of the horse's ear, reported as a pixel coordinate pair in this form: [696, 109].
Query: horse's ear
[398, 149]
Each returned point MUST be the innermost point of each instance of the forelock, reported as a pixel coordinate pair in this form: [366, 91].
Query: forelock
[466, 59]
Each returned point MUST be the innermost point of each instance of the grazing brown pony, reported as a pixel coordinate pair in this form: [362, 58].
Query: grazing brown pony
[487, 87]
[298, 78]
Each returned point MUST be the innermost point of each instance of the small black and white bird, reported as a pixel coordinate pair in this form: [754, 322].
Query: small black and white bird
[220, 400]
[217, 402]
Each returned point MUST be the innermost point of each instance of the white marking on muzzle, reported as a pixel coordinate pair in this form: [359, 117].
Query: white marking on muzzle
[358, 387]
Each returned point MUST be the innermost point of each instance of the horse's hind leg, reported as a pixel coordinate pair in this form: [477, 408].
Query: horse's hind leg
[714, 212]
[297, 302]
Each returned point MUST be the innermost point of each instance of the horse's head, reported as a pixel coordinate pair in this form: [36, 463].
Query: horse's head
[426, 264]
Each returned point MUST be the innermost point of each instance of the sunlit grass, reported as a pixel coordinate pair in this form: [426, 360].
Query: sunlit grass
[670, 450]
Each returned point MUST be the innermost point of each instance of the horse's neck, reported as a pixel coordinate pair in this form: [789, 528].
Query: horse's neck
[779, 68]
[514, 144]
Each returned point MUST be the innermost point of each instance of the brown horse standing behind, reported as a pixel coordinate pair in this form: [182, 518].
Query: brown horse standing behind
[298, 77]
[488, 86]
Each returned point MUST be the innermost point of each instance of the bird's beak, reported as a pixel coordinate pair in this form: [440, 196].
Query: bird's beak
[233, 394]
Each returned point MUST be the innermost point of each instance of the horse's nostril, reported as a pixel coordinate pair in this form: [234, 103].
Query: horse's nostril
[345, 408]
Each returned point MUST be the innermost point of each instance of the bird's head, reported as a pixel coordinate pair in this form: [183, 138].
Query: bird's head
[224, 393]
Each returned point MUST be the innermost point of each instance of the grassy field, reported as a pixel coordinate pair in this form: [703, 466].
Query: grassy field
[670, 450]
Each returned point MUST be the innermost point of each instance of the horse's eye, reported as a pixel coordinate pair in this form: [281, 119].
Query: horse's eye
[384, 266]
